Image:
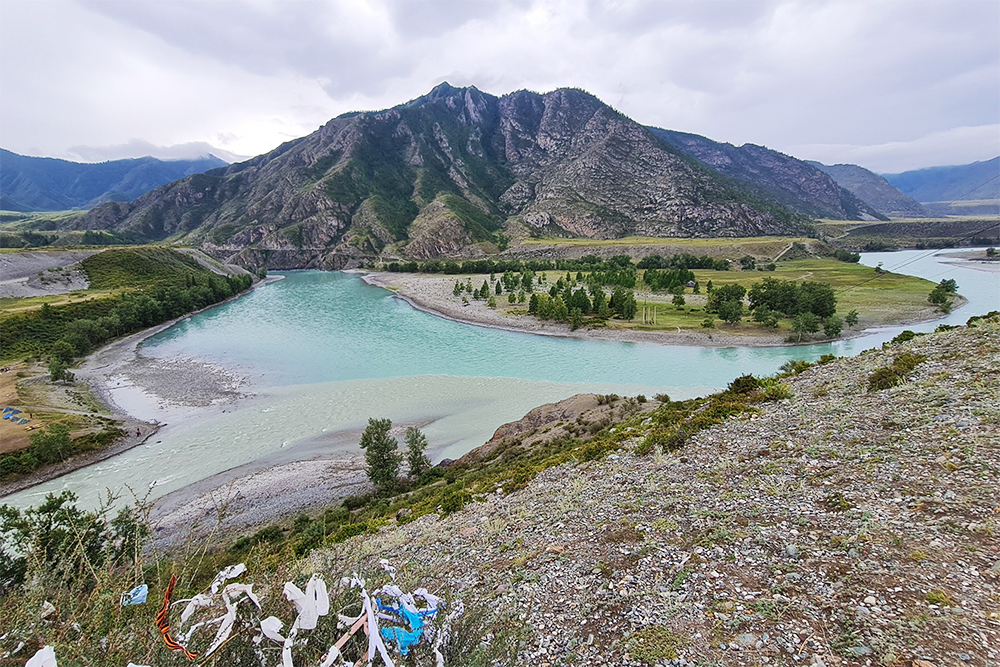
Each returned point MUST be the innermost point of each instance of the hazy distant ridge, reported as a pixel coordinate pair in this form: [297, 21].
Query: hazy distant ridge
[966, 182]
[50, 184]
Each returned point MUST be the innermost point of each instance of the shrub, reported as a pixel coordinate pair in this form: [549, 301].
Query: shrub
[455, 501]
[896, 373]
[743, 385]
[794, 367]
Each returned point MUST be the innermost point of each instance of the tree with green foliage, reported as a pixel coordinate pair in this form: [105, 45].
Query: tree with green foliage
[59, 541]
[817, 298]
[708, 323]
[764, 315]
[731, 311]
[851, 319]
[381, 454]
[805, 323]
[623, 303]
[511, 297]
[492, 302]
[678, 300]
[575, 319]
[560, 312]
[416, 445]
[779, 296]
[544, 306]
[833, 326]
[720, 295]
[59, 370]
[940, 295]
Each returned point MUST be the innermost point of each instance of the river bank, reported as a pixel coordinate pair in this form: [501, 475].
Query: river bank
[432, 294]
[119, 378]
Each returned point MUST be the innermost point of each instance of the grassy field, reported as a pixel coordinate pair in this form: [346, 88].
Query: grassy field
[879, 299]
[757, 245]
[14, 304]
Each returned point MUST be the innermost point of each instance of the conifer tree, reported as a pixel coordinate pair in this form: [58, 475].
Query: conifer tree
[416, 444]
[380, 454]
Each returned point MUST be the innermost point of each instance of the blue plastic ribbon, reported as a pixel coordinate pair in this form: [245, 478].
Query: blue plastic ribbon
[135, 596]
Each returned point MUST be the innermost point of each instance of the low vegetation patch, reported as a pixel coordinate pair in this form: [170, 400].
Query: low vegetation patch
[54, 445]
[896, 373]
[654, 643]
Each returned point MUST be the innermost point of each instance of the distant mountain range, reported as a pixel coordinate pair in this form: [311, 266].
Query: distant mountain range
[967, 188]
[49, 184]
[459, 172]
[799, 185]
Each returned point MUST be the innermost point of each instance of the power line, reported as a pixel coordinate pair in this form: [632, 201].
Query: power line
[918, 257]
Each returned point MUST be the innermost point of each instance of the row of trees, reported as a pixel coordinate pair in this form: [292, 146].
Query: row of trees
[588, 263]
[672, 280]
[812, 305]
[683, 261]
[76, 329]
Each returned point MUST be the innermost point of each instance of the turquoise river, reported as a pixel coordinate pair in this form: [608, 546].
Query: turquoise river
[322, 352]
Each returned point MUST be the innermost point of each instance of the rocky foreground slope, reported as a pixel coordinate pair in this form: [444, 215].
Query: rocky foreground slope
[840, 526]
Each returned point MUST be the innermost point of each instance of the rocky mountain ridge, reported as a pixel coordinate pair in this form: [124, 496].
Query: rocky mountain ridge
[797, 184]
[873, 189]
[453, 172]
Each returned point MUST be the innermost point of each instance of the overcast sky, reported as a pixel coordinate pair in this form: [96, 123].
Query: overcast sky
[890, 85]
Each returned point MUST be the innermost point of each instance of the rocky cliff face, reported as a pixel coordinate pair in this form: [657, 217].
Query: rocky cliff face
[794, 183]
[445, 175]
[874, 190]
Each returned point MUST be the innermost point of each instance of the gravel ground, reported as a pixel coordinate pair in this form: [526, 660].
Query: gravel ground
[838, 527]
[24, 274]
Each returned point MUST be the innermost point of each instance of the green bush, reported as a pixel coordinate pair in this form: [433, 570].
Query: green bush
[896, 373]
[743, 385]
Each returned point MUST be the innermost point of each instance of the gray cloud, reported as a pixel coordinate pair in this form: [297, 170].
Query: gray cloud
[247, 75]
